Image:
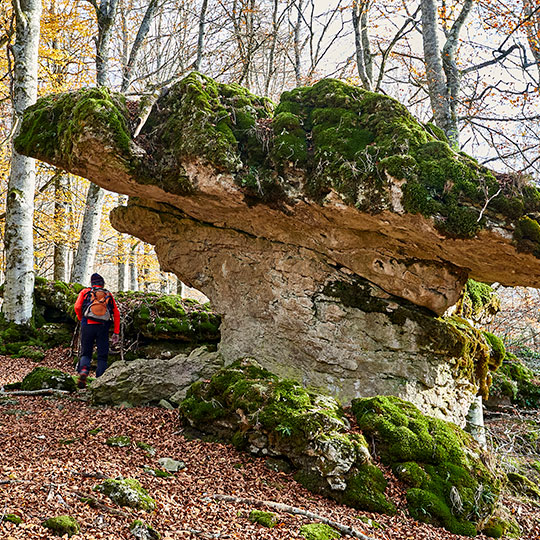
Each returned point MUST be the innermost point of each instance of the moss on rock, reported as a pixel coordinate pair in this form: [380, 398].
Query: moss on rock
[266, 519]
[12, 518]
[478, 301]
[43, 377]
[62, 525]
[519, 382]
[262, 413]
[449, 485]
[318, 531]
[119, 441]
[142, 531]
[127, 492]
[171, 317]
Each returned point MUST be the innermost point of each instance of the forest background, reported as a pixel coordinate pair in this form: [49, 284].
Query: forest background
[471, 68]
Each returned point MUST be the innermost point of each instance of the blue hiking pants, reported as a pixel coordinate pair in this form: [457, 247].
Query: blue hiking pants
[90, 334]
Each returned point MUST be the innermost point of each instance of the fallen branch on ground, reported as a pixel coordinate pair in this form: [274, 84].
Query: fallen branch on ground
[94, 503]
[344, 529]
[42, 392]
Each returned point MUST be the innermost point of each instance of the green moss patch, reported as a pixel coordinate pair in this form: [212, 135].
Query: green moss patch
[518, 382]
[119, 441]
[171, 318]
[478, 300]
[127, 492]
[449, 485]
[62, 525]
[318, 531]
[43, 377]
[266, 519]
[12, 518]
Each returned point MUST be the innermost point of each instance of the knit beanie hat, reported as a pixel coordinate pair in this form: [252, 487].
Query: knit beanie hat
[98, 280]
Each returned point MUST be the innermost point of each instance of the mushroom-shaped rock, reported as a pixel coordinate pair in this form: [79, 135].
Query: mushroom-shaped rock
[328, 232]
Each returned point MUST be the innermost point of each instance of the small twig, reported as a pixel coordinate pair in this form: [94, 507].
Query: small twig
[98, 475]
[345, 529]
[94, 503]
[42, 392]
[486, 205]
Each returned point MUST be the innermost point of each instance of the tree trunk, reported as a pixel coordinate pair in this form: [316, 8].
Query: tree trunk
[200, 40]
[19, 242]
[133, 271]
[122, 254]
[61, 222]
[364, 61]
[297, 45]
[434, 70]
[86, 250]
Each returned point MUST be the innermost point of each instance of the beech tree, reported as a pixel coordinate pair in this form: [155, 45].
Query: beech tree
[18, 239]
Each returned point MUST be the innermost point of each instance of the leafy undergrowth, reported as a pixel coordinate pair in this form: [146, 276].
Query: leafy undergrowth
[53, 448]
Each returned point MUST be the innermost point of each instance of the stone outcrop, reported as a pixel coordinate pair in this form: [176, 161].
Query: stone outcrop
[274, 216]
[150, 380]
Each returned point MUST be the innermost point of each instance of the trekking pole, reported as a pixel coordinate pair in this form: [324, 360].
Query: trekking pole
[122, 341]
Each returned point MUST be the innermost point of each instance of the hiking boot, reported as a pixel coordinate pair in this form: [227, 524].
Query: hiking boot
[81, 381]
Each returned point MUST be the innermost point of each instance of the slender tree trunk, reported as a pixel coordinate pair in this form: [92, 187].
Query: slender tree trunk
[364, 60]
[297, 44]
[133, 270]
[533, 30]
[61, 223]
[122, 254]
[86, 251]
[438, 94]
[19, 243]
[200, 40]
[271, 54]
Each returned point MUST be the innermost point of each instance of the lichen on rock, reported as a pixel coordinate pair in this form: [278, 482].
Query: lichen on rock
[127, 492]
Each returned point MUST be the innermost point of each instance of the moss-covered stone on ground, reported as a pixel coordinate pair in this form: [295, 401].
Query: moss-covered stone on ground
[62, 525]
[262, 413]
[12, 518]
[127, 492]
[319, 531]
[266, 519]
[142, 531]
[449, 485]
[119, 441]
[43, 377]
[517, 381]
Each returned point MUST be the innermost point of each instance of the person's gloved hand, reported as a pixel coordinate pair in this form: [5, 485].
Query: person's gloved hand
[115, 338]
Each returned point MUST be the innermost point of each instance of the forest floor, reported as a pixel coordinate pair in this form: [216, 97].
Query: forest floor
[53, 451]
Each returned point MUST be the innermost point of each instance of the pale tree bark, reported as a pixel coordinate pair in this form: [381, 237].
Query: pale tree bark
[442, 73]
[133, 268]
[122, 253]
[18, 241]
[61, 223]
[83, 261]
[200, 38]
[272, 52]
[364, 58]
[297, 43]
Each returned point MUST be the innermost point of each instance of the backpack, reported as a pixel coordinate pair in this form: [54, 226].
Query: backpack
[96, 305]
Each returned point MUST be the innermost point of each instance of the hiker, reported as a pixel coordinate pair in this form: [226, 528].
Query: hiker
[95, 308]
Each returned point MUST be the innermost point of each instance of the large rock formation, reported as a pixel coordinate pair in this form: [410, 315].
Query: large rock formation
[328, 234]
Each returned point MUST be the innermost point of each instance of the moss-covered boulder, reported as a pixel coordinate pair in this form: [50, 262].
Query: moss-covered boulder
[171, 317]
[12, 518]
[127, 492]
[268, 415]
[43, 377]
[62, 525]
[55, 301]
[515, 383]
[448, 483]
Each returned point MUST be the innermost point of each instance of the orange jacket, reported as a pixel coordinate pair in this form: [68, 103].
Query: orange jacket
[79, 307]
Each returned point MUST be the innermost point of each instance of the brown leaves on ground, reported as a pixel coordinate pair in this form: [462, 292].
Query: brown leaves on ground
[52, 448]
